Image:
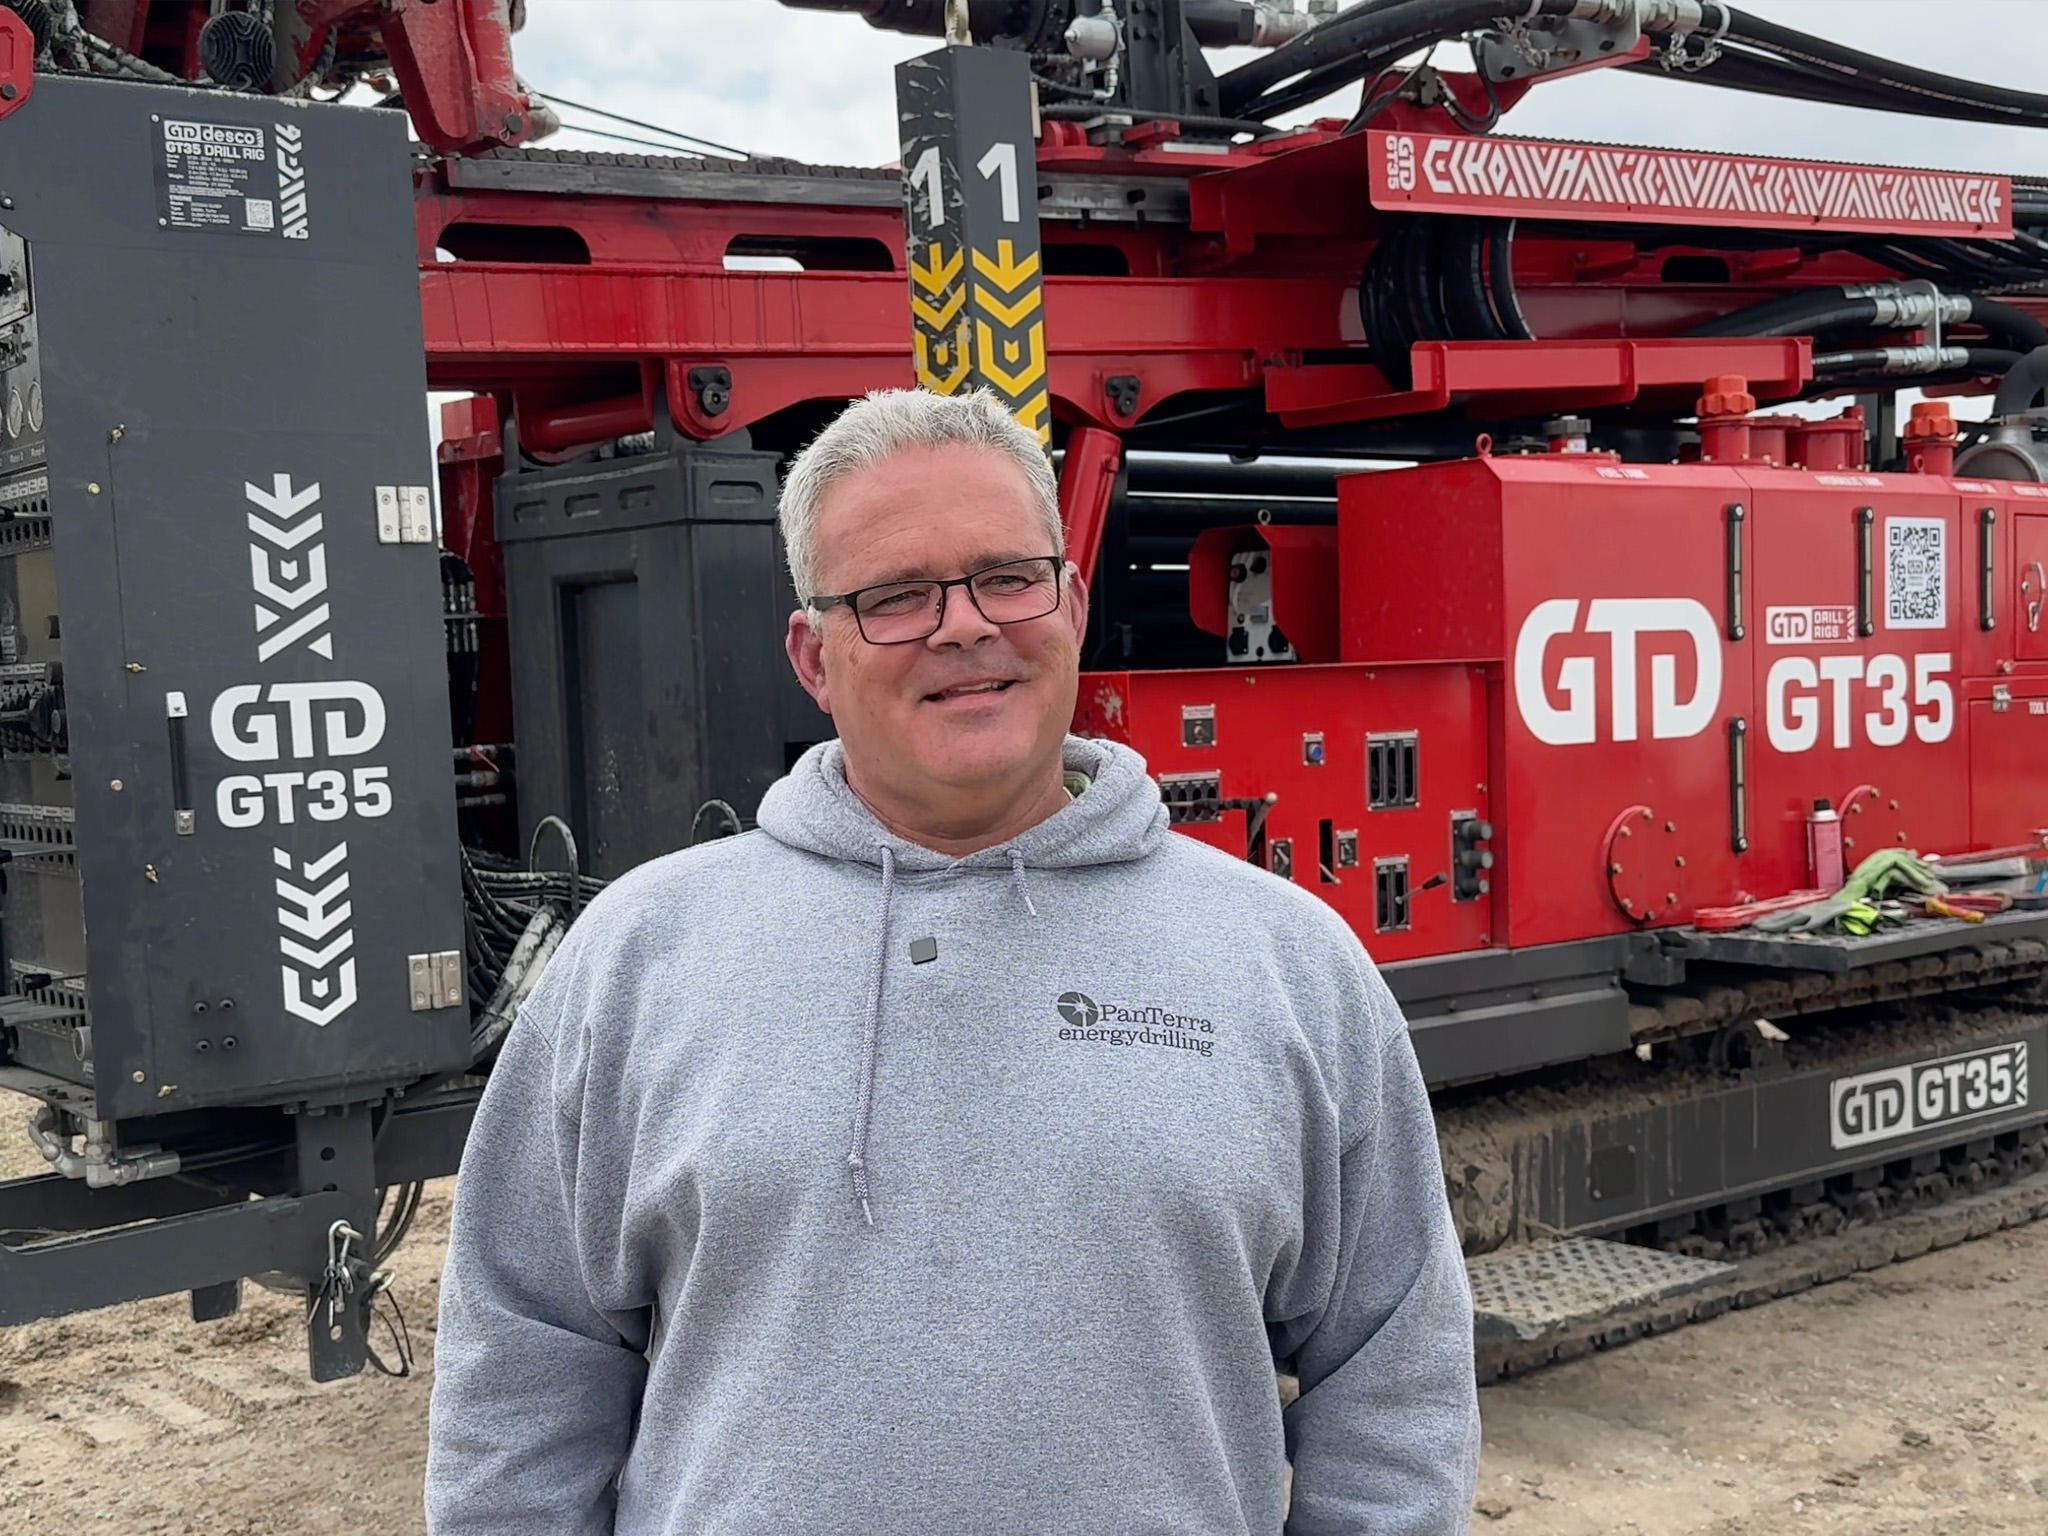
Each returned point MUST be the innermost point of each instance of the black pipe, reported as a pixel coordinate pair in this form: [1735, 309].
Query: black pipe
[2008, 322]
[2022, 384]
[1363, 36]
[1979, 362]
[1818, 53]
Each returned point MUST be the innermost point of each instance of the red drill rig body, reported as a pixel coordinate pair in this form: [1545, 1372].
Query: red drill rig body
[1532, 713]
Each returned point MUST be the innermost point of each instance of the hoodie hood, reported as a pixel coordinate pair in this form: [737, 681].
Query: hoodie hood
[1120, 818]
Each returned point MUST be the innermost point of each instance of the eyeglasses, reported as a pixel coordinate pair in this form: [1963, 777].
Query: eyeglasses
[898, 612]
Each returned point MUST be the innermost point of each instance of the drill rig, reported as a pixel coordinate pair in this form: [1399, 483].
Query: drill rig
[1545, 715]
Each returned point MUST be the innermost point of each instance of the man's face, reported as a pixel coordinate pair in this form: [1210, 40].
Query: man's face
[975, 704]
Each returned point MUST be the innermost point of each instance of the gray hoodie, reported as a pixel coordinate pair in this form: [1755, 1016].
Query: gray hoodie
[770, 1227]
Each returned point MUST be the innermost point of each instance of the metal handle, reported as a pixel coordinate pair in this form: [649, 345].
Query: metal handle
[1736, 514]
[1738, 784]
[1866, 595]
[1987, 528]
[183, 820]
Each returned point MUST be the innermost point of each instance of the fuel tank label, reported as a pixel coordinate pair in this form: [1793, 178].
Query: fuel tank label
[1900, 1101]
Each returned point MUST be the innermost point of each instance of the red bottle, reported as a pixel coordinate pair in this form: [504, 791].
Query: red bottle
[1824, 848]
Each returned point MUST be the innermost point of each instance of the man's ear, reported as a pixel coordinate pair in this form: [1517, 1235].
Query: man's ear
[1077, 601]
[806, 650]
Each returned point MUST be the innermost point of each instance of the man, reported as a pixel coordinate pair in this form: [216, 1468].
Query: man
[961, 1151]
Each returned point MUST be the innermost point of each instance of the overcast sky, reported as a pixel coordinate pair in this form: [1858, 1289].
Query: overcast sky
[817, 86]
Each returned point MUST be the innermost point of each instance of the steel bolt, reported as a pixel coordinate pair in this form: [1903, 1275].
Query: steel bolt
[1895, 806]
[1670, 826]
[1679, 861]
[6, 202]
[1614, 869]
[1627, 905]
[138, 1075]
[1671, 898]
[116, 433]
[1627, 832]
[92, 487]
[114, 785]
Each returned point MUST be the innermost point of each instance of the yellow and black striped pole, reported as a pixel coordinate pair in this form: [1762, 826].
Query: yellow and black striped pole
[970, 195]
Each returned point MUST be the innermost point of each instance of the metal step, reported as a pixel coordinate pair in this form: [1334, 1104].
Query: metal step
[1525, 1293]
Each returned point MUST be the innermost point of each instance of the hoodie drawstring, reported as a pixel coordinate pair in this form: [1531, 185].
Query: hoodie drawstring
[1017, 874]
[857, 1154]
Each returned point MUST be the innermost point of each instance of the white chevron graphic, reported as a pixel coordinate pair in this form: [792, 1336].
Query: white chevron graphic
[315, 912]
[285, 538]
[295, 998]
[298, 596]
[281, 500]
[306, 913]
[269, 574]
[303, 625]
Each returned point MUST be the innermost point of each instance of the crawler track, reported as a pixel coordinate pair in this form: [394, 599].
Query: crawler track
[1517, 1162]
[1786, 1271]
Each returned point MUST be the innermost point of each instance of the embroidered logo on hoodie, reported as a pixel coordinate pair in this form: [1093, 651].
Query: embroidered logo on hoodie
[1157, 1027]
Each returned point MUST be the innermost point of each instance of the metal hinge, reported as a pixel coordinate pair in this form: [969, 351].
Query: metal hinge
[435, 980]
[405, 515]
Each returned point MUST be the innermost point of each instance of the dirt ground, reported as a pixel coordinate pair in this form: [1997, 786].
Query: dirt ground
[1913, 1400]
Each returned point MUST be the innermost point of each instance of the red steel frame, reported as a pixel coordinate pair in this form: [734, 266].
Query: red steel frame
[1257, 292]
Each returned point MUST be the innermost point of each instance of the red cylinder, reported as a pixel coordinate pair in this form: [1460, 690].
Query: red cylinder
[1837, 443]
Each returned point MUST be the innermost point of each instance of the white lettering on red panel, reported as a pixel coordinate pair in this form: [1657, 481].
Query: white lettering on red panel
[1527, 176]
[1633, 626]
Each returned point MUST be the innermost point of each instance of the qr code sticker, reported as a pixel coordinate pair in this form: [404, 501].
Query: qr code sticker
[258, 213]
[1915, 573]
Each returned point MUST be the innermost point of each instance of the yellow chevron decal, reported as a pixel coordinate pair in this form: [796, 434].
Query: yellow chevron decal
[941, 271]
[1033, 415]
[1006, 272]
[1012, 384]
[940, 316]
[928, 359]
[1010, 315]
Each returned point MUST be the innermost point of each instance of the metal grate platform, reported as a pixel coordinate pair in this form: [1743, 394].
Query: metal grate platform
[1523, 1293]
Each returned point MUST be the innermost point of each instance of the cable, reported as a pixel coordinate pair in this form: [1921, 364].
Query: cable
[634, 122]
[627, 138]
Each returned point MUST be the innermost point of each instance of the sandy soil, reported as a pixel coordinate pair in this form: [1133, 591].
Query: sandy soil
[1914, 1401]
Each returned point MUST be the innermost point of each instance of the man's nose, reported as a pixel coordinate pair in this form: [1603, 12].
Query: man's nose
[962, 624]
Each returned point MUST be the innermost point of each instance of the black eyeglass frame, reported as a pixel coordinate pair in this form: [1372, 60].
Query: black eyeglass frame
[851, 600]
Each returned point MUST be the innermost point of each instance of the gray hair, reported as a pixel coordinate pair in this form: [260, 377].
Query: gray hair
[886, 422]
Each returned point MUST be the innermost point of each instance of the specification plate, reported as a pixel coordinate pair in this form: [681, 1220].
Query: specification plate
[1899, 1101]
[231, 178]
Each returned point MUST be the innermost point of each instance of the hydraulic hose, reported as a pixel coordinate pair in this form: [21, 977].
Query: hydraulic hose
[1893, 362]
[1360, 39]
[1887, 74]
[1439, 278]
[2008, 323]
[2022, 384]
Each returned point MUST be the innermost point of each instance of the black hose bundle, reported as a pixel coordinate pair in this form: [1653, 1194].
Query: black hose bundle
[1439, 278]
[1352, 45]
[1742, 52]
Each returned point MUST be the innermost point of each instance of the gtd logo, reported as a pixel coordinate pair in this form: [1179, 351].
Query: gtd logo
[1660, 625]
[350, 724]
